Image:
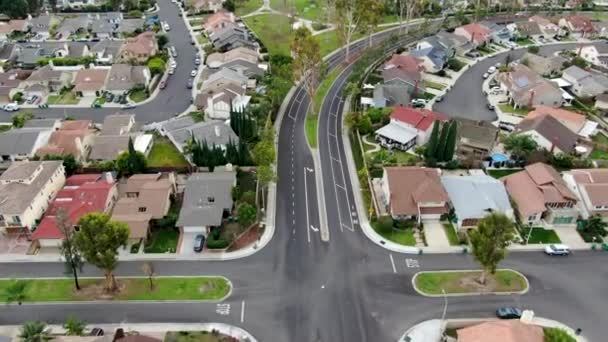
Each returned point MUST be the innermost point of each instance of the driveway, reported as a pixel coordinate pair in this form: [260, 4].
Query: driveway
[435, 236]
[571, 237]
[187, 243]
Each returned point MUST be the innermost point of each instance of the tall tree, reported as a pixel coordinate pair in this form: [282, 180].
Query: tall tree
[431, 148]
[35, 331]
[349, 17]
[443, 139]
[489, 242]
[33, 7]
[521, 145]
[595, 226]
[148, 269]
[98, 240]
[74, 326]
[307, 61]
[15, 291]
[372, 16]
[71, 255]
[450, 145]
[406, 9]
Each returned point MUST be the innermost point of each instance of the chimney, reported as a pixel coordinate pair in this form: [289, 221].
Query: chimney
[109, 177]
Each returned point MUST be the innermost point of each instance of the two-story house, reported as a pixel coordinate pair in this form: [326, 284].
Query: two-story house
[408, 127]
[591, 188]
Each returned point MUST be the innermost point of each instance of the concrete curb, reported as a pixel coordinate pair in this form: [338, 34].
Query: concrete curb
[469, 294]
[130, 301]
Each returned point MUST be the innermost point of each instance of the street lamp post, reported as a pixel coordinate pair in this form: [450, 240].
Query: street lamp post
[445, 309]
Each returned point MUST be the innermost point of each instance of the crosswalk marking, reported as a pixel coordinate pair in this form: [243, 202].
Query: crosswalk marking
[412, 263]
[222, 309]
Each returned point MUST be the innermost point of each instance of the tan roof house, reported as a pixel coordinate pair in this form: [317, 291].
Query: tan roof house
[26, 189]
[591, 187]
[549, 133]
[475, 141]
[525, 88]
[90, 82]
[139, 48]
[114, 137]
[547, 66]
[575, 122]
[218, 20]
[541, 195]
[52, 80]
[217, 102]
[143, 197]
[75, 138]
[124, 77]
[501, 331]
[217, 59]
[413, 192]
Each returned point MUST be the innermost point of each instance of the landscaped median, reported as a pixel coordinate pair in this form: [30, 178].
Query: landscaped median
[132, 289]
[312, 118]
[466, 282]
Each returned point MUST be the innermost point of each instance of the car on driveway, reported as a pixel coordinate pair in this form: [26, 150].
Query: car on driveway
[508, 312]
[418, 103]
[472, 54]
[491, 70]
[557, 250]
[173, 64]
[197, 61]
[193, 73]
[199, 243]
[171, 71]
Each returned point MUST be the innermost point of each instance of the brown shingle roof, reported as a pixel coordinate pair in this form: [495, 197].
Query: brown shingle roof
[551, 129]
[501, 331]
[410, 186]
[90, 79]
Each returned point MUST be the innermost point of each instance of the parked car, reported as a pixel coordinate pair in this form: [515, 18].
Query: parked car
[418, 103]
[491, 70]
[506, 126]
[173, 51]
[490, 106]
[485, 75]
[497, 65]
[190, 83]
[193, 73]
[96, 332]
[557, 249]
[162, 84]
[508, 312]
[173, 63]
[167, 27]
[439, 98]
[171, 71]
[197, 61]
[11, 107]
[495, 90]
[472, 54]
[199, 243]
[128, 105]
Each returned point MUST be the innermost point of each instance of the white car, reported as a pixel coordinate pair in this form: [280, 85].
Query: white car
[557, 250]
[492, 70]
[495, 90]
[11, 107]
[171, 71]
[173, 64]
[485, 75]
[128, 105]
[497, 65]
[167, 27]
[193, 73]
[416, 103]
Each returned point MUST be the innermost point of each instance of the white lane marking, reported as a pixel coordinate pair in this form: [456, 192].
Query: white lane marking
[306, 170]
[242, 311]
[341, 187]
[412, 263]
[222, 309]
[392, 263]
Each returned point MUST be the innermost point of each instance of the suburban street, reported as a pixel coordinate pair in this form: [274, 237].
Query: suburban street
[299, 288]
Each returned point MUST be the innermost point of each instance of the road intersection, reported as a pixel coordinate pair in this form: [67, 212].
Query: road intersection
[299, 288]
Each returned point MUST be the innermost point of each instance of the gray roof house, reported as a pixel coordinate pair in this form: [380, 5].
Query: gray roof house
[549, 133]
[52, 80]
[244, 67]
[546, 66]
[72, 26]
[207, 198]
[434, 58]
[474, 197]
[22, 143]
[224, 76]
[130, 25]
[41, 24]
[182, 129]
[114, 137]
[118, 124]
[106, 51]
[123, 77]
[453, 42]
[102, 29]
[525, 88]
[585, 83]
[231, 36]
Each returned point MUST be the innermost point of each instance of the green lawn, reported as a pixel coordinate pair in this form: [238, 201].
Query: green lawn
[202, 40]
[163, 153]
[540, 235]
[166, 288]
[197, 116]
[311, 129]
[600, 138]
[307, 9]
[196, 336]
[4, 128]
[162, 240]
[499, 173]
[273, 30]
[434, 85]
[401, 236]
[597, 153]
[450, 232]
[138, 95]
[402, 158]
[247, 6]
[464, 282]
[196, 22]
[524, 42]
[312, 118]
[507, 108]
[67, 98]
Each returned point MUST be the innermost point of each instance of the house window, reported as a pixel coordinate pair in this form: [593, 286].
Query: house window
[16, 220]
[598, 207]
[77, 228]
[532, 218]
[142, 209]
[211, 199]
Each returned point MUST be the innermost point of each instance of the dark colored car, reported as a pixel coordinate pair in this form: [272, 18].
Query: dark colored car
[199, 242]
[96, 332]
[190, 83]
[508, 312]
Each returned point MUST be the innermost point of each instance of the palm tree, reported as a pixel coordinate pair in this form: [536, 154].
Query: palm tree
[74, 326]
[34, 331]
[15, 292]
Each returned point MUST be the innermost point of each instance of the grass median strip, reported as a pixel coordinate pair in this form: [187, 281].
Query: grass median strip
[165, 288]
[312, 119]
[463, 282]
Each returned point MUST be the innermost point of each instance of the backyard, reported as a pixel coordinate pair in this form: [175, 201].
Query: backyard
[540, 235]
[454, 282]
[508, 108]
[273, 30]
[138, 95]
[399, 232]
[164, 153]
[499, 173]
[599, 152]
[67, 98]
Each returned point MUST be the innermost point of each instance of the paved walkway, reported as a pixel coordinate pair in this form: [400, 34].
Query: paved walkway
[369, 143]
[435, 235]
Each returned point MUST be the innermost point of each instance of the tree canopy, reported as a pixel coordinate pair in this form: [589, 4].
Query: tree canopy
[307, 60]
[490, 240]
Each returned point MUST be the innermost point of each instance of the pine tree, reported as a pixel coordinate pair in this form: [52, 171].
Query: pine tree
[232, 153]
[433, 140]
[450, 145]
[443, 138]
[243, 153]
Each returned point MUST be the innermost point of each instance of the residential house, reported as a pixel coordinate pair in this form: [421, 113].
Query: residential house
[413, 193]
[207, 201]
[474, 197]
[130, 26]
[601, 102]
[124, 77]
[231, 36]
[545, 66]
[228, 76]
[585, 83]
[217, 102]
[181, 130]
[529, 29]
[575, 122]
[81, 195]
[26, 189]
[8, 51]
[72, 26]
[74, 137]
[596, 54]
[40, 26]
[498, 33]
[547, 27]
[408, 127]
[402, 76]
[475, 140]
[9, 84]
[452, 44]
[113, 139]
[433, 58]
[218, 20]
[549, 133]
[579, 26]
[475, 33]
[52, 80]
[541, 195]
[501, 331]
[601, 29]
[106, 51]
[89, 83]
[22, 143]
[246, 68]
[139, 48]
[199, 6]
[591, 188]
[142, 198]
[105, 24]
[525, 88]
[218, 59]
[14, 25]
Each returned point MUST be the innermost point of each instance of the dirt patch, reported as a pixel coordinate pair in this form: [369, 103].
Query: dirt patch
[96, 291]
[471, 283]
[206, 287]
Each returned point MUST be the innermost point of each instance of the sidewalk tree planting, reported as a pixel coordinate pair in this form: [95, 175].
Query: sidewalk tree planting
[148, 269]
[131, 161]
[156, 65]
[406, 9]
[594, 229]
[489, 242]
[306, 61]
[35, 331]
[74, 326]
[71, 254]
[247, 214]
[15, 291]
[98, 240]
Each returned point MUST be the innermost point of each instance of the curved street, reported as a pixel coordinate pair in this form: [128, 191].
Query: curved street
[299, 288]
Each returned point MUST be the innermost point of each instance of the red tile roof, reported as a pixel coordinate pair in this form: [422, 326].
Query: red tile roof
[580, 23]
[478, 32]
[420, 119]
[82, 194]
